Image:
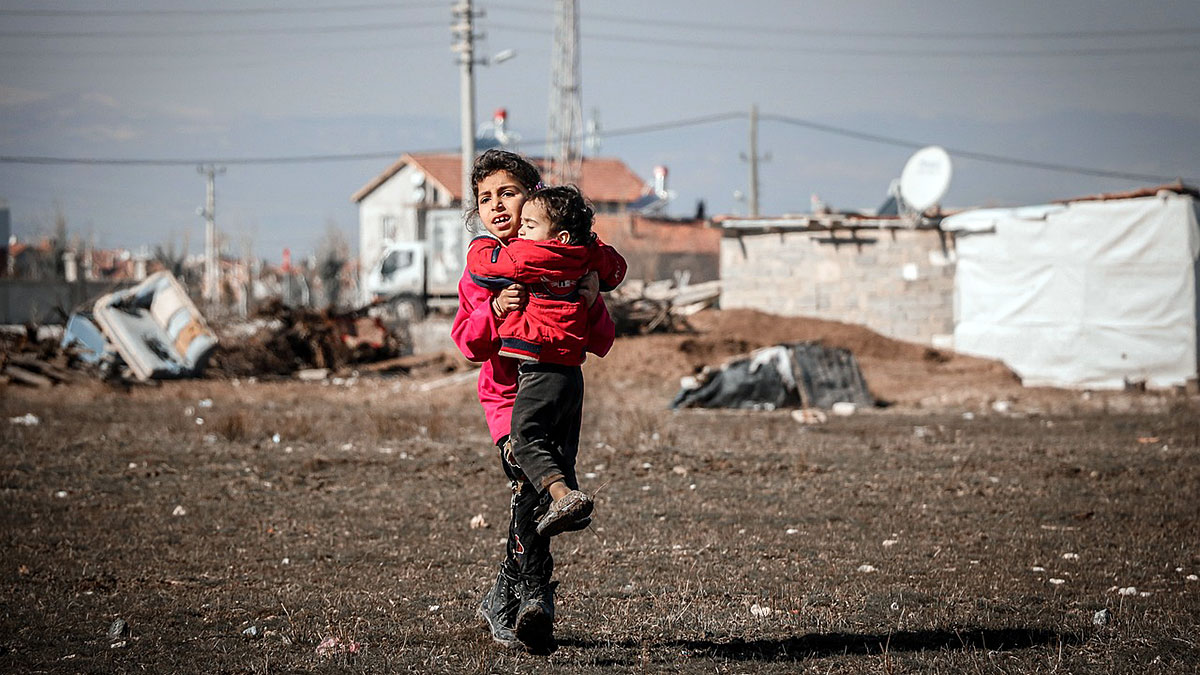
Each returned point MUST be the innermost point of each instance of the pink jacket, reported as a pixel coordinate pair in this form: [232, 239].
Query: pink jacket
[476, 332]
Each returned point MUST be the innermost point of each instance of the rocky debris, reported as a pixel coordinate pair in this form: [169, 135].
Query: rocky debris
[1102, 617]
[333, 645]
[118, 630]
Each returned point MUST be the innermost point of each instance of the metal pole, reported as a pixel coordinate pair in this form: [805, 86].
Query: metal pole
[466, 49]
[212, 269]
[754, 161]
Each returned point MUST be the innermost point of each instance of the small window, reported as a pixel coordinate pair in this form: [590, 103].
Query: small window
[394, 261]
[388, 224]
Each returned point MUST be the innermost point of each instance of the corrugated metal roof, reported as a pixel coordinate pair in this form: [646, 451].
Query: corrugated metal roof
[603, 179]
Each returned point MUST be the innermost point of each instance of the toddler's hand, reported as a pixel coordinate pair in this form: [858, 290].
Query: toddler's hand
[589, 287]
[509, 299]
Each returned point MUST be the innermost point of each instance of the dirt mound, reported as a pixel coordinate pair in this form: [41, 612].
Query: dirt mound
[897, 372]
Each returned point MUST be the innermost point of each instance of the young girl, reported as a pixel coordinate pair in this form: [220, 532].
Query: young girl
[501, 182]
[555, 249]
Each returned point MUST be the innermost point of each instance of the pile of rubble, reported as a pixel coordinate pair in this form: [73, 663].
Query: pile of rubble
[638, 308]
[33, 358]
[284, 341]
[153, 331]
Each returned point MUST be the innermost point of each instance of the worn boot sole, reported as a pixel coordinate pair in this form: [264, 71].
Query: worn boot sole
[565, 513]
[535, 630]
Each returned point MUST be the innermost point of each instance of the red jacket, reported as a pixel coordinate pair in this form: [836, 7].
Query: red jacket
[476, 333]
[553, 326]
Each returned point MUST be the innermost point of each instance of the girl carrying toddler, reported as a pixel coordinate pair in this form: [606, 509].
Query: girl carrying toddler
[499, 324]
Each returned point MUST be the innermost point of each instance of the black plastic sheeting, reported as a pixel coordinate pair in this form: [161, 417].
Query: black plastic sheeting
[797, 375]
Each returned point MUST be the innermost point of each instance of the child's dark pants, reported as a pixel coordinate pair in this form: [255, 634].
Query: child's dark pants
[545, 422]
[541, 449]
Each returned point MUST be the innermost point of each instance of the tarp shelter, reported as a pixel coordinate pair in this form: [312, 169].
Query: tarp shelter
[800, 375]
[1095, 294]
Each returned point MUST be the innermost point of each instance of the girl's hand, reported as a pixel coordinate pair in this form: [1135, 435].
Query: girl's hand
[589, 287]
[508, 300]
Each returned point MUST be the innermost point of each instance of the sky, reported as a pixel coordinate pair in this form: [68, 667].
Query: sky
[1107, 92]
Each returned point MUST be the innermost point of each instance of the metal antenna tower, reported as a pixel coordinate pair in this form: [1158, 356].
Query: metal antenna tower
[565, 134]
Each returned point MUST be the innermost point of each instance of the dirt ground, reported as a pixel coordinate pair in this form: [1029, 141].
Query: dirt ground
[969, 526]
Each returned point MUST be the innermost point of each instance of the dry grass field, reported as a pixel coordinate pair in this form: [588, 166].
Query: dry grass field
[971, 526]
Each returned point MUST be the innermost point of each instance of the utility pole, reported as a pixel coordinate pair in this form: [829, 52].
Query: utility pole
[212, 270]
[464, 32]
[752, 159]
[566, 117]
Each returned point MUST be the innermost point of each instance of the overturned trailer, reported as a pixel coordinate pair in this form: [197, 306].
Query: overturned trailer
[155, 328]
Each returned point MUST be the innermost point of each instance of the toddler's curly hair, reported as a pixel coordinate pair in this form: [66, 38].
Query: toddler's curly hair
[568, 212]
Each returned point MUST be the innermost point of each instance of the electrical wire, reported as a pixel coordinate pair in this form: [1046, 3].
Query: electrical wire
[967, 154]
[683, 43]
[297, 30]
[759, 29]
[240, 11]
[611, 133]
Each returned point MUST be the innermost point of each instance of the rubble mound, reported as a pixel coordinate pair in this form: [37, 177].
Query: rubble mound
[282, 340]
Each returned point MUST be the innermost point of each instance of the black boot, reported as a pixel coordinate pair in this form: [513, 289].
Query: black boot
[499, 608]
[534, 625]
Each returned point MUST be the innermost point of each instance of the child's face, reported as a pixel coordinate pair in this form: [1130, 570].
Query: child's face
[535, 224]
[500, 198]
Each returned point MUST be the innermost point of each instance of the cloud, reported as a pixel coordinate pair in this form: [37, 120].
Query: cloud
[14, 96]
[100, 99]
[193, 114]
[100, 132]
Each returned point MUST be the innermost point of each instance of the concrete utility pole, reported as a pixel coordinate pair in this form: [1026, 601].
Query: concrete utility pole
[752, 159]
[212, 268]
[464, 32]
[566, 117]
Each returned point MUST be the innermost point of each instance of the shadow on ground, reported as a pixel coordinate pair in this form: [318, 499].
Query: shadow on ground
[834, 644]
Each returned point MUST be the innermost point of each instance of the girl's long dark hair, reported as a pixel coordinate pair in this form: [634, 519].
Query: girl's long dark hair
[499, 160]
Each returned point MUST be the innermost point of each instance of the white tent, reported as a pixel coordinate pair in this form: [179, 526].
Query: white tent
[1088, 294]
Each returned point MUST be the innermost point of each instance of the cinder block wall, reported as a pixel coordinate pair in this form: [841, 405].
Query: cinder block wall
[899, 283]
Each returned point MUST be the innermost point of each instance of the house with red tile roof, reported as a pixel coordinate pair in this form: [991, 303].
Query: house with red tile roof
[392, 205]
[419, 198]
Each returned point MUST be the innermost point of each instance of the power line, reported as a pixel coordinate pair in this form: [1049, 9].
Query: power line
[627, 131]
[238, 51]
[969, 154]
[658, 42]
[759, 29]
[293, 159]
[241, 11]
[297, 30]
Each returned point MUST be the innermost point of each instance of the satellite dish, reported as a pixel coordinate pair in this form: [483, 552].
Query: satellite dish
[417, 178]
[925, 178]
[417, 194]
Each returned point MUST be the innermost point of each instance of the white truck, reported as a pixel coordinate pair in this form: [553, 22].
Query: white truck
[413, 278]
